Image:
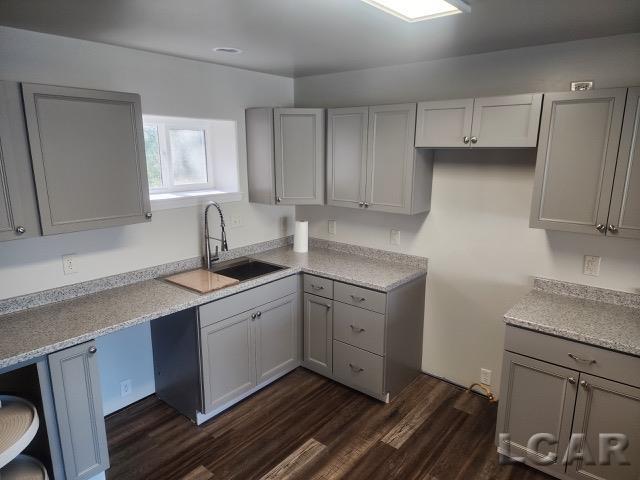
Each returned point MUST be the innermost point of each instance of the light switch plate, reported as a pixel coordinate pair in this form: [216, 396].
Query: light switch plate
[485, 376]
[69, 264]
[394, 237]
[332, 227]
[591, 265]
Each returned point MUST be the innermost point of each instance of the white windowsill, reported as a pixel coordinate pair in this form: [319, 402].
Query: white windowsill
[166, 201]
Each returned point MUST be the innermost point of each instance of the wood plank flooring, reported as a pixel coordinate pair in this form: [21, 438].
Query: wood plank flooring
[305, 426]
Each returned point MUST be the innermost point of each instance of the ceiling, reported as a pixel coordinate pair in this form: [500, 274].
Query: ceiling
[306, 37]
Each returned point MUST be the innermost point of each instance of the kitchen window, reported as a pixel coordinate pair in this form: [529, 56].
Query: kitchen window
[190, 160]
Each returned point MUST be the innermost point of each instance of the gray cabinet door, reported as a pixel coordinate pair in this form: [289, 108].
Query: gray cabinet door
[228, 360]
[537, 397]
[445, 123]
[347, 156]
[260, 164]
[604, 406]
[579, 137]
[18, 210]
[390, 158]
[507, 121]
[318, 334]
[88, 157]
[624, 217]
[276, 338]
[78, 405]
[299, 156]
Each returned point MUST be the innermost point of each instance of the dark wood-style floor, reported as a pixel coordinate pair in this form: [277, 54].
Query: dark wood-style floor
[305, 426]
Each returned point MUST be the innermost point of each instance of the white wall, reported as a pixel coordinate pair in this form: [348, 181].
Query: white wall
[168, 86]
[482, 252]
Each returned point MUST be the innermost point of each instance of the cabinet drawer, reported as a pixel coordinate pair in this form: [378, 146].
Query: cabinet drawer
[241, 302]
[318, 286]
[359, 327]
[577, 356]
[358, 368]
[360, 297]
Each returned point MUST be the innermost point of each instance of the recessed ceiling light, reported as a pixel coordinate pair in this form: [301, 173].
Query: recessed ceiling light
[418, 10]
[231, 50]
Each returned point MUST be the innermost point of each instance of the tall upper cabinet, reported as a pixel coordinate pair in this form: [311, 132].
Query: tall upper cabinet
[584, 183]
[18, 208]
[87, 150]
[285, 155]
[372, 163]
[496, 122]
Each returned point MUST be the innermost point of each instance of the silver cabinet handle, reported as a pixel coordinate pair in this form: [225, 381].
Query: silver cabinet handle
[474, 139]
[259, 314]
[571, 380]
[357, 329]
[361, 204]
[356, 368]
[20, 229]
[357, 299]
[148, 215]
[613, 229]
[93, 349]
[327, 305]
[253, 316]
[317, 287]
[465, 140]
[580, 359]
[366, 205]
[584, 384]
[278, 199]
[601, 228]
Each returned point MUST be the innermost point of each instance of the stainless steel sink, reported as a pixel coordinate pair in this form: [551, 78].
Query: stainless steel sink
[244, 269]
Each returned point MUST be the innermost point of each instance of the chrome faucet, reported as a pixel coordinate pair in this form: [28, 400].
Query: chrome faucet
[208, 258]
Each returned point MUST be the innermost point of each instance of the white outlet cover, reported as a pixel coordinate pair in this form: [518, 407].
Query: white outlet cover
[69, 264]
[485, 376]
[394, 237]
[591, 265]
[332, 227]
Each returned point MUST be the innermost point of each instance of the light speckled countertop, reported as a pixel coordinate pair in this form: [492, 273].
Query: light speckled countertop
[37, 331]
[604, 318]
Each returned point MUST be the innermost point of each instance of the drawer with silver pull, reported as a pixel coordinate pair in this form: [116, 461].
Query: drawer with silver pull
[360, 297]
[359, 327]
[358, 368]
[575, 355]
[318, 286]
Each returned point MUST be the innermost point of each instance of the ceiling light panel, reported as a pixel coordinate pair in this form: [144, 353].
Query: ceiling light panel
[418, 10]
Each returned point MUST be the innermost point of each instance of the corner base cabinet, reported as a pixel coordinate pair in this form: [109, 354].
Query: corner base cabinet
[583, 398]
[209, 358]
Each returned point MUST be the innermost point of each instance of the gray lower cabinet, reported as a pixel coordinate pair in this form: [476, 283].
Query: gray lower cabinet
[78, 406]
[18, 208]
[286, 155]
[576, 163]
[88, 157]
[372, 163]
[494, 122]
[575, 392]
[368, 340]
[318, 333]
[624, 214]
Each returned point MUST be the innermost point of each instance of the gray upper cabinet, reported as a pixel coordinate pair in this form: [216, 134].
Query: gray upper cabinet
[276, 334]
[18, 208]
[505, 121]
[398, 177]
[318, 334]
[78, 405]
[285, 155]
[444, 123]
[604, 406]
[347, 156]
[624, 214]
[578, 147]
[88, 157]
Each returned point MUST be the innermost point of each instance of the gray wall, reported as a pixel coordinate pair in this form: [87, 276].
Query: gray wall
[168, 86]
[482, 252]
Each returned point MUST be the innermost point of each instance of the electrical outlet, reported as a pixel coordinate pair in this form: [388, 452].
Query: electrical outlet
[235, 221]
[485, 376]
[332, 227]
[394, 237]
[69, 264]
[591, 265]
[125, 387]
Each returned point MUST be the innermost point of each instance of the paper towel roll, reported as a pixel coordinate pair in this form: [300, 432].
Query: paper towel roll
[301, 237]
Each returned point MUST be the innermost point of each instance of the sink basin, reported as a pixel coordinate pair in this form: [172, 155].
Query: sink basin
[245, 268]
